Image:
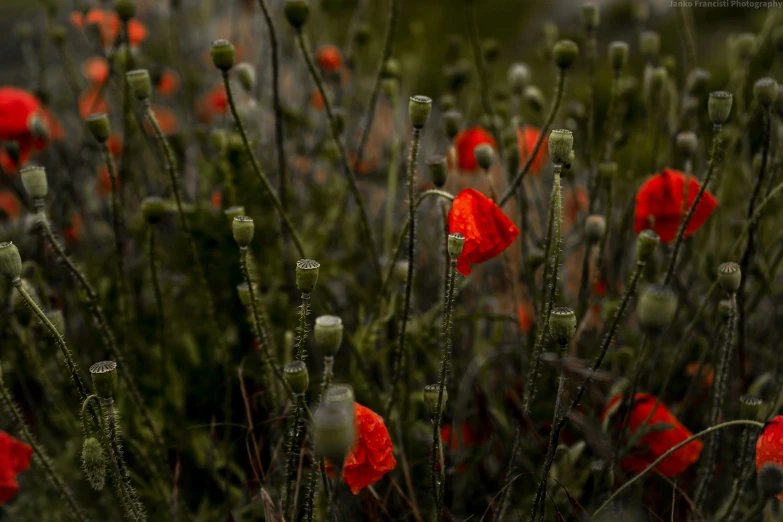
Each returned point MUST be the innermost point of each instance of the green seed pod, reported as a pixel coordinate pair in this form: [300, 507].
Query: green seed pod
[687, 143]
[390, 88]
[246, 74]
[561, 142]
[104, 379]
[750, 407]
[233, 212]
[491, 49]
[618, 55]
[333, 426]
[57, 319]
[400, 271]
[729, 277]
[297, 12]
[243, 229]
[99, 127]
[590, 16]
[391, 69]
[745, 46]
[719, 106]
[562, 325]
[518, 77]
[297, 376]
[650, 45]
[419, 110]
[140, 84]
[646, 244]
[595, 227]
[431, 392]
[153, 208]
[439, 170]
[484, 155]
[455, 244]
[696, 82]
[34, 182]
[565, 53]
[341, 395]
[328, 333]
[307, 274]
[771, 479]
[10, 261]
[452, 121]
[94, 463]
[534, 98]
[223, 54]
[766, 91]
[125, 9]
[656, 307]
[447, 102]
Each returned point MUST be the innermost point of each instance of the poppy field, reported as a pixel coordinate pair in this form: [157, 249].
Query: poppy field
[304, 260]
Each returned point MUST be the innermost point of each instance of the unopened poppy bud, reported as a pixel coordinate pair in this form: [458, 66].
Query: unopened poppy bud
[235, 211]
[140, 84]
[328, 333]
[452, 121]
[618, 55]
[439, 170]
[561, 142]
[562, 325]
[57, 319]
[687, 143]
[650, 45]
[307, 274]
[297, 376]
[766, 91]
[94, 463]
[656, 307]
[223, 54]
[431, 393]
[297, 12]
[153, 208]
[595, 227]
[38, 128]
[243, 229]
[99, 127]
[333, 427]
[750, 407]
[125, 9]
[565, 53]
[607, 171]
[646, 244]
[491, 49]
[725, 307]
[534, 98]
[390, 88]
[719, 106]
[419, 110]
[104, 378]
[745, 46]
[400, 271]
[518, 77]
[10, 261]
[590, 16]
[455, 244]
[391, 68]
[729, 277]
[771, 479]
[696, 83]
[246, 74]
[34, 182]
[484, 155]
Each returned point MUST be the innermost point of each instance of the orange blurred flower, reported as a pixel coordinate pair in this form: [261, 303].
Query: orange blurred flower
[96, 70]
[166, 119]
[92, 102]
[213, 103]
[527, 136]
[20, 110]
[109, 24]
[329, 58]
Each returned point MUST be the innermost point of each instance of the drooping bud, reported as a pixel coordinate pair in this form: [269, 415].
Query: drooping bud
[590, 16]
[766, 91]
[297, 12]
[562, 325]
[243, 229]
[618, 55]
[565, 53]
[745, 46]
[439, 170]
[561, 142]
[687, 143]
[518, 77]
[307, 274]
[99, 127]
[729, 277]
[328, 334]
[153, 208]
[484, 155]
[719, 106]
[646, 243]
[696, 83]
[104, 379]
[246, 74]
[452, 121]
[94, 463]
[297, 376]
[595, 227]
[223, 54]
[10, 261]
[140, 84]
[34, 182]
[431, 392]
[419, 110]
[455, 244]
[656, 307]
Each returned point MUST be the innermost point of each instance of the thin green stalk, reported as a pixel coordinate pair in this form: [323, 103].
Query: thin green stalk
[113, 441]
[312, 485]
[629, 399]
[304, 311]
[741, 463]
[755, 511]
[116, 212]
[158, 300]
[392, 180]
[294, 447]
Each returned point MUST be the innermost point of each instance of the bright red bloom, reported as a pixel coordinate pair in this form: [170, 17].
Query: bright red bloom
[216, 199]
[769, 445]
[96, 69]
[657, 442]
[487, 230]
[109, 24]
[371, 456]
[14, 458]
[329, 58]
[660, 204]
[9, 205]
[467, 140]
[19, 110]
[527, 136]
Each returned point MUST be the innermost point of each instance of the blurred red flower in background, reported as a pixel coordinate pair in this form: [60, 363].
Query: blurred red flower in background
[769, 445]
[14, 458]
[108, 23]
[9, 205]
[329, 58]
[467, 140]
[527, 136]
[28, 123]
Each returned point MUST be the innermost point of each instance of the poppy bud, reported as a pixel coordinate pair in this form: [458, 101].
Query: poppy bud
[34, 182]
[491, 50]
[452, 121]
[223, 54]
[297, 377]
[518, 77]
[104, 378]
[565, 53]
[658, 78]
[328, 334]
[391, 69]
[719, 106]
[94, 463]
[656, 307]
[535, 98]
[750, 407]
[140, 84]
[771, 479]
[607, 171]
[431, 392]
[333, 427]
[590, 16]
[595, 227]
[447, 102]
[390, 88]
[618, 55]
[341, 395]
[400, 271]
[562, 325]
[297, 12]
[560, 144]
[456, 242]
[363, 34]
[235, 211]
[485, 155]
[766, 91]
[10, 261]
[419, 110]
[696, 83]
[56, 318]
[687, 143]
[646, 243]
[99, 127]
[729, 277]
[243, 228]
[125, 9]
[439, 170]
[246, 74]
[153, 208]
[650, 45]
[745, 45]
[307, 274]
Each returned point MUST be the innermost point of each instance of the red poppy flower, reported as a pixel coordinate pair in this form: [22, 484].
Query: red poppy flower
[214, 103]
[19, 111]
[576, 201]
[216, 199]
[14, 458]
[109, 26]
[487, 230]
[371, 456]
[527, 136]
[168, 83]
[526, 316]
[659, 204]
[769, 445]
[329, 58]
[166, 119]
[9, 205]
[656, 442]
[467, 140]
[91, 102]
[96, 70]
[115, 145]
[103, 182]
[599, 288]
[456, 443]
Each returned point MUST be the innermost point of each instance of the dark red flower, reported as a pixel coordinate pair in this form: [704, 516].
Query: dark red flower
[467, 140]
[14, 458]
[9, 205]
[92, 102]
[108, 23]
[656, 442]
[214, 103]
[487, 230]
[527, 136]
[769, 445]
[329, 58]
[19, 110]
[660, 204]
[526, 315]
[372, 454]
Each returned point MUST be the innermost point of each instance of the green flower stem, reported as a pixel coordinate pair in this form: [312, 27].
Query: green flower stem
[304, 311]
[584, 291]
[392, 181]
[75, 510]
[512, 188]
[158, 300]
[312, 484]
[669, 452]
[741, 463]
[755, 511]
[399, 351]
[364, 220]
[116, 211]
[259, 171]
[294, 446]
[629, 399]
[591, 51]
[715, 158]
[326, 381]
[43, 50]
[113, 440]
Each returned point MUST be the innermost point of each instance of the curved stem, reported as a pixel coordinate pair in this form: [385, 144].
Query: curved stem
[133, 506]
[116, 212]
